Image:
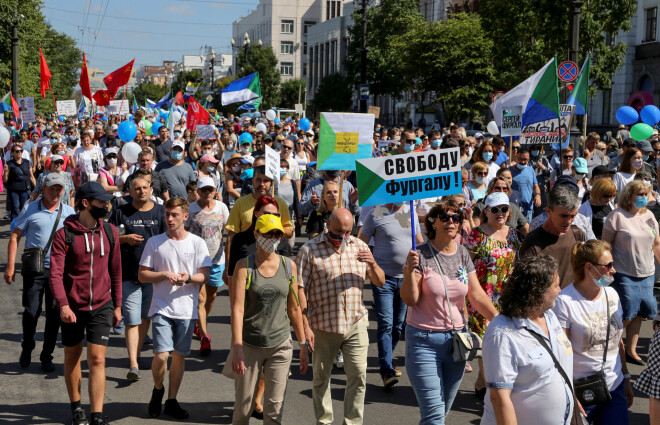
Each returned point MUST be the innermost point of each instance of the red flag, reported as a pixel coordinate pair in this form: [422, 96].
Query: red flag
[85, 89]
[14, 106]
[102, 97]
[45, 75]
[197, 115]
[179, 98]
[118, 78]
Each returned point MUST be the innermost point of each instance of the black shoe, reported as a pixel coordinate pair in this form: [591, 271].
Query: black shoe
[389, 380]
[25, 359]
[480, 394]
[173, 409]
[631, 359]
[79, 417]
[47, 366]
[98, 421]
[156, 402]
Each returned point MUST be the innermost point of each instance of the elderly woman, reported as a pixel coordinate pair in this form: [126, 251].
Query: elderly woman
[599, 205]
[591, 316]
[633, 232]
[437, 269]
[56, 166]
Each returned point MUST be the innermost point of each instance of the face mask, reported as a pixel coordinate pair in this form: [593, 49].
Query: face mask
[230, 147]
[336, 240]
[579, 176]
[210, 169]
[487, 156]
[408, 147]
[479, 179]
[501, 149]
[282, 172]
[398, 204]
[177, 156]
[54, 140]
[521, 167]
[236, 168]
[536, 153]
[567, 172]
[436, 143]
[207, 152]
[268, 245]
[640, 202]
[645, 157]
[61, 153]
[111, 162]
[245, 151]
[177, 134]
[98, 212]
[603, 280]
[637, 164]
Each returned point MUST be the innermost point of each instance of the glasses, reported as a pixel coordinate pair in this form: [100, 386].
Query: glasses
[456, 218]
[287, 147]
[17, 150]
[503, 209]
[411, 141]
[483, 174]
[58, 162]
[568, 157]
[516, 147]
[111, 156]
[301, 144]
[272, 234]
[608, 266]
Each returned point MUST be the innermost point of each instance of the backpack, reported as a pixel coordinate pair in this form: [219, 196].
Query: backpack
[287, 272]
[107, 228]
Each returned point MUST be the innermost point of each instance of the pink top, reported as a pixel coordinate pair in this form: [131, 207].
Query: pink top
[431, 311]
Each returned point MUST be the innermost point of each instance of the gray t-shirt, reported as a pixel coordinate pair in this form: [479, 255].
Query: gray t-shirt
[177, 177]
[392, 237]
[286, 193]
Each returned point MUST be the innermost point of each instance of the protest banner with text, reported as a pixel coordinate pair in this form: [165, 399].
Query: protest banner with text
[548, 131]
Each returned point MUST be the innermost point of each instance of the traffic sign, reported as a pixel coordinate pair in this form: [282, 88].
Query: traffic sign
[497, 95]
[567, 71]
[364, 91]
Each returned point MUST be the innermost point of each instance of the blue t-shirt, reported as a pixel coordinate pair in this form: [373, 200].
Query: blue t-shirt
[524, 181]
[501, 158]
[36, 223]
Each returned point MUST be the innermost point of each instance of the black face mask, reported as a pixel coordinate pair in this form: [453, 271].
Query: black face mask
[98, 212]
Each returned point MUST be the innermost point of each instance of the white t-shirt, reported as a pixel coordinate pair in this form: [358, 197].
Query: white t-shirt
[164, 254]
[209, 225]
[621, 180]
[492, 172]
[586, 322]
[85, 157]
[294, 170]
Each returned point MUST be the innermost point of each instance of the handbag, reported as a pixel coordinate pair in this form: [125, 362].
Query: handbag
[34, 258]
[593, 389]
[465, 345]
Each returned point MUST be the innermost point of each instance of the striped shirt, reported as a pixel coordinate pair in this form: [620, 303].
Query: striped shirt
[333, 284]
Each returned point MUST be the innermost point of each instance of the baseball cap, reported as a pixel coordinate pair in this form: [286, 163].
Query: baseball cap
[54, 158]
[279, 125]
[178, 144]
[568, 181]
[580, 165]
[248, 159]
[600, 170]
[53, 179]
[108, 151]
[205, 182]
[209, 158]
[92, 190]
[268, 222]
[644, 146]
[496, 198]
[478, 135]
[114, 127]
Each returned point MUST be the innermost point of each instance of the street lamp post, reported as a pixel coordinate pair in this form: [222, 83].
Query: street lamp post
[246, 46]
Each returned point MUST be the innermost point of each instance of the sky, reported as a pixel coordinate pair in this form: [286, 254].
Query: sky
[113, 32]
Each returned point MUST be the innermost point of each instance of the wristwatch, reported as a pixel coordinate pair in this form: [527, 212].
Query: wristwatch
[188, 280]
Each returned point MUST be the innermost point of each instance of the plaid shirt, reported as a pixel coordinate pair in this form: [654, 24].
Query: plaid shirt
[333, 284]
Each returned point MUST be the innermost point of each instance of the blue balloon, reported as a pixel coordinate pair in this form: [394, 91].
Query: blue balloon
[304, 124]
[104, 118]
[245, 138]
[131, 117]
[155, 127]
[127, 131]
[650, 115]
[276, 120]
[627, 115]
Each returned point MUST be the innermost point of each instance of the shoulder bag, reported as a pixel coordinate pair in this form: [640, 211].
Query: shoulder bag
[34, 258]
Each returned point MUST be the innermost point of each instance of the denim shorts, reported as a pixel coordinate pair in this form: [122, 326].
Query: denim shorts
[171, 334]
[135, 301]
[636, 294]
[215, 278]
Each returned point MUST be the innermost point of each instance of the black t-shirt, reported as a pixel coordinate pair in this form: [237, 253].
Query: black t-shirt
[315, 222]
[242, 245]
[600, 213]
[143, 223]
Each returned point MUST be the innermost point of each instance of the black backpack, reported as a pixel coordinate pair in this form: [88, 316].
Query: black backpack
[107, 228]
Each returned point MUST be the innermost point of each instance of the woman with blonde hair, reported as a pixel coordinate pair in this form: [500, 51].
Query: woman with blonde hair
[632, 229]
[486, 153]
[329, 199]
[599, 205]
[479, 180]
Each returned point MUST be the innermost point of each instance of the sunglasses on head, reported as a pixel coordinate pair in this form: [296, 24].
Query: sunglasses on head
[503, 209]
[445, 217]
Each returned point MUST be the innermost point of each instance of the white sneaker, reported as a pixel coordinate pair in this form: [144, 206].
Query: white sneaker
[339, 360]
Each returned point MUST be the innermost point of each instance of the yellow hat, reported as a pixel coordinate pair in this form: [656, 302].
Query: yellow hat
[268, 222]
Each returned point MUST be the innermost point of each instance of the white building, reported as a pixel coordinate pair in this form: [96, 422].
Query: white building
[190, 62]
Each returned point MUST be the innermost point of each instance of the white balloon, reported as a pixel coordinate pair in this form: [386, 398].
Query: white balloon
[4, 137]
[130, 152]
[261, 127]
[176, 116]
[492, 128]
[270, 114]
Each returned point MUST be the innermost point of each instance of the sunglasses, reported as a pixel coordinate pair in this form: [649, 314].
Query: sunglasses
[58, 162]
[111, 156]
[482, 174]
[568, 156]
[287, 147]
[411, 141]
[207, 189]
[272, 234]
[608, 266]
[503, 209]
[456, 218]
[17, 150]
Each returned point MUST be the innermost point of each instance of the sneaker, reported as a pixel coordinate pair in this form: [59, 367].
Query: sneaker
[156, 402]
[397, 373]
[389, 380]
[339, 360]
[98, 421]
[173, 409]
[25, 359]
[7, 216]
[205, 346]
[196, 331]
[147, 339]
[133, 374]
[79, 417]
[47, 366]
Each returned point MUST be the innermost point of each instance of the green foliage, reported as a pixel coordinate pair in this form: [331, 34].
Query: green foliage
[291, 90]
[527, 33]
[147, 90]
[453, 59]
[262, 59]
[182, 79]
[63, 58]
[334, 94]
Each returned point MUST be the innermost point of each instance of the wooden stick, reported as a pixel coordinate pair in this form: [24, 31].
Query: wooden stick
[584, 126]
[54, 103]
[340, 203]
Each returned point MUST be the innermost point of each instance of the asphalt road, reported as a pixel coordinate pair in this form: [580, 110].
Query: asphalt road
[28, 396]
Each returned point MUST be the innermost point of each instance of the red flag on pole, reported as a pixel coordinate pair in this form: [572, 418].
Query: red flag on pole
[118, 78]
[197, 115]
[102, 97]
[14, 106]
[45, 75]
[85, 89]
[179, 98]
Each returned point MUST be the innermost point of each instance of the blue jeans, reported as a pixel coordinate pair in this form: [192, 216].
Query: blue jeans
[18, 200]
[433, 374]
[614, 412]
[390, 314]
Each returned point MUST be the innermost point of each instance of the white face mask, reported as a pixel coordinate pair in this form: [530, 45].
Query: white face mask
[111, 162]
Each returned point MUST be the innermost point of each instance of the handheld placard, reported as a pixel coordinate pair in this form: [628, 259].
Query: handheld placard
[412, 226]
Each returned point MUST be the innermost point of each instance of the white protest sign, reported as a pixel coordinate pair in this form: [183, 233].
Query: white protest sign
[26, 109]
[205, 132]
[511, 121]
[409, 177]
[66, 107]
[386, 143]
[272, 163]
[298, 108]
[545, 132]
[119, 107]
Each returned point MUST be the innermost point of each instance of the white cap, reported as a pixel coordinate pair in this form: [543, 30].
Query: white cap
[108, 151]
[178, 143]
[114, 127]
[54, 158]
[205, 182]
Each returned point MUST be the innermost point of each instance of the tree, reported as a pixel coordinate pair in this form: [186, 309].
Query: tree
[148, 90]
[527, 33]
[334, 94]
[182, 79]
[262, 59]
[292, 92]
[384, 64]
[451, 59]
[217, 98]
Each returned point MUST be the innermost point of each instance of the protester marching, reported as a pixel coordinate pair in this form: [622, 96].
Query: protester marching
[520, 254]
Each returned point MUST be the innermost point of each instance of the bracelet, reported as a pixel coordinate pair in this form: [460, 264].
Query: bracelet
[626, 376]
[304, 343]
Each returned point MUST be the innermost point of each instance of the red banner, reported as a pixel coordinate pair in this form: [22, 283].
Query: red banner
[118, 78]
[85, 89]
[197, 115]
[45, 75]
[14, 106]
[102, 97]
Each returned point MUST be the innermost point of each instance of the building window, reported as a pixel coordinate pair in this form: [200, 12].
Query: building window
[304, 70]
[286, 68]
[287, 26]
[651, 24]
[286, 47]
[306, 25]
[304, 48]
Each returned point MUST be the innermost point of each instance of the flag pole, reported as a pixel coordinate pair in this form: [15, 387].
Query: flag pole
[340, 203]
[510, 149]
[54, 103]
[584, 126]
[412, 225]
